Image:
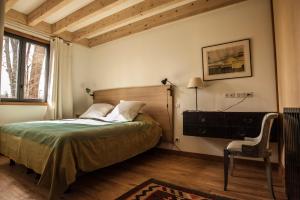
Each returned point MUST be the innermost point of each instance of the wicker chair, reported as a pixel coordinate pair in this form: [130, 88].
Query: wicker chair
[252, 147]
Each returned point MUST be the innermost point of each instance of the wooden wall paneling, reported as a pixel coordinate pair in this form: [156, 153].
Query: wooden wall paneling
[286, 17]
[287, 35]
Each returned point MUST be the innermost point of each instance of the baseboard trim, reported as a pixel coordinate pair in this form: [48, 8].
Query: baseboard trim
[214, 157]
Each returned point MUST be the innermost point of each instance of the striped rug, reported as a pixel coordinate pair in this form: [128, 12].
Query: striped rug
[158, 190]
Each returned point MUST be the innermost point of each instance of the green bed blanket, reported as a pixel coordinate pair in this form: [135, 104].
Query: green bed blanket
[58, 150]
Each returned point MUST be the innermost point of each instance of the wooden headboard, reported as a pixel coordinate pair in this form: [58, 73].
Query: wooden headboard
[156, 98]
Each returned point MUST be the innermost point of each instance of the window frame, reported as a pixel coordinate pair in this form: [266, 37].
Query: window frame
[21, 69]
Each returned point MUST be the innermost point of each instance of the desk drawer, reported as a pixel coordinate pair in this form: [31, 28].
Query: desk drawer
[205, 131]
[204, 119]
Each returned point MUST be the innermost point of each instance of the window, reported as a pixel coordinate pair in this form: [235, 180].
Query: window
[24, 69]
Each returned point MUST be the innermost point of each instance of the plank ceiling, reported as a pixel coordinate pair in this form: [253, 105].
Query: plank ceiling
[94, 22]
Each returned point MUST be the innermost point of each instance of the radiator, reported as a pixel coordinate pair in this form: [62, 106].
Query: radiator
[291, 124]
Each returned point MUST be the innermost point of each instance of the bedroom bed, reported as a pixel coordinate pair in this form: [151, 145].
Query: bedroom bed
[58, 150]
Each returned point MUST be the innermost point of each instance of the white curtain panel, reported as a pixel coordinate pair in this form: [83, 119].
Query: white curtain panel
[60, 101]
[2, 13]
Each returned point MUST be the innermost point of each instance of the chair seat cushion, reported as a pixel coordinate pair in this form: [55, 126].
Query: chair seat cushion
[237, 145]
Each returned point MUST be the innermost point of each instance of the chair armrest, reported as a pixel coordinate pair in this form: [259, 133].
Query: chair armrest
[249, 139]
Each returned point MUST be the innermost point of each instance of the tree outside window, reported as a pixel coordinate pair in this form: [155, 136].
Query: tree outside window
[24, 70]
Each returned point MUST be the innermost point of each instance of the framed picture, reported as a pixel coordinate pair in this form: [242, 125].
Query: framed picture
[227, 60]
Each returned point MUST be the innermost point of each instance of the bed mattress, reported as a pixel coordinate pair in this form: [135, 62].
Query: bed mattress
[59, 149]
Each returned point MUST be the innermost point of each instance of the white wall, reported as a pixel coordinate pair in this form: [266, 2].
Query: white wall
[20, 113]
[80, 75]
[174, 51]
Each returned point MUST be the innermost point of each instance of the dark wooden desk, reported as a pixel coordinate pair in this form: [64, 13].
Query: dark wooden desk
[229, 125]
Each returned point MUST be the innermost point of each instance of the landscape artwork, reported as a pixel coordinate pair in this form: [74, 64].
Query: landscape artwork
[228, 60]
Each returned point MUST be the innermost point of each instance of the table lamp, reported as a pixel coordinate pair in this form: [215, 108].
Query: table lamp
[196, 82]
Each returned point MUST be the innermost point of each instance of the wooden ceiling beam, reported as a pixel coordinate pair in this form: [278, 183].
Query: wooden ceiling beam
[124, 16]
[194, 8]
[15, 17]
[45, 10]
[85, 13]
[20, 18]
[9, 4]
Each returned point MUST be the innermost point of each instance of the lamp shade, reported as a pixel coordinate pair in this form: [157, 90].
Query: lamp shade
[195, 82]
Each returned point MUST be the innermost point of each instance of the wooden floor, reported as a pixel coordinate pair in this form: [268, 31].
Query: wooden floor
[247, 182]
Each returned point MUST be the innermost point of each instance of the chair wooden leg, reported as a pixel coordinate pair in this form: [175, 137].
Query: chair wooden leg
[12, 163]
[269, 176]
[226, 163]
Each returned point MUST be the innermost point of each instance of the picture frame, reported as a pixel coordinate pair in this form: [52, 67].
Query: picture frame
[227, 60]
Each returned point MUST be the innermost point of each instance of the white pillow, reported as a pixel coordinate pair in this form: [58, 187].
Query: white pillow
[125, 111]
[141, 110]
[97, 110]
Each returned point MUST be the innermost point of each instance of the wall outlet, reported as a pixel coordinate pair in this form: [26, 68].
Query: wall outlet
[244, 94]
[250, 94]
[230, 95]
[239, 94]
